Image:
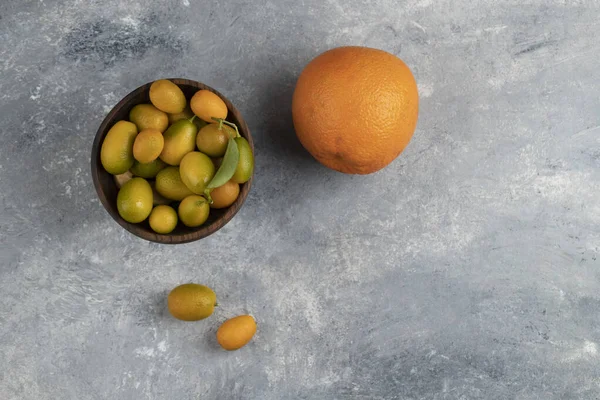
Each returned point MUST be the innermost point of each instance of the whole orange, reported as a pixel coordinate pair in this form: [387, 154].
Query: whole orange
[355, 108]
[225, 195]
[236, 332]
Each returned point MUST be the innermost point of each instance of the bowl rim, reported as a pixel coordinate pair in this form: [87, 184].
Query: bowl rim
[136, 229]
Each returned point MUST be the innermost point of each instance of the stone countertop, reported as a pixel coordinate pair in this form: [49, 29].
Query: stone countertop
[467, 269]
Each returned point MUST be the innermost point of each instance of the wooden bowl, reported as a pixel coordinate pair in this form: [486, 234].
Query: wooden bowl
[107, 189]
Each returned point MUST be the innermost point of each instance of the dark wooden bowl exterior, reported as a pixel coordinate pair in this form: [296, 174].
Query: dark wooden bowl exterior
[107, 189]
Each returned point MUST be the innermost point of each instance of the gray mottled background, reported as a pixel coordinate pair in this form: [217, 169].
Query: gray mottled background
[467, 269]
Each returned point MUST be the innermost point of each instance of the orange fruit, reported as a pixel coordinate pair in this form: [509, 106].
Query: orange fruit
[134, 200]
[191, 302]
[193, 211]
[146, 116]
[163, 219]
[148, 145]
[236, 332]
[225, 195]
[167, 96]
[206, 105]
[212, 141]
[355, 108]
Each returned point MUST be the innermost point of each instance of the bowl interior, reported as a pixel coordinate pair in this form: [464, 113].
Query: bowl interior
[107, 189]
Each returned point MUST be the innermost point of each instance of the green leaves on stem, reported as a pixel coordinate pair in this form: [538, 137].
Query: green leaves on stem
[221, 121]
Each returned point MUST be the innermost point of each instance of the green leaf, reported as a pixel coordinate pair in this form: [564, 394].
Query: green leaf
[228, 166]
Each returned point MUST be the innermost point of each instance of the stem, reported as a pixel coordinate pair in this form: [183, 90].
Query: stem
[207, 194]
[192, 119]
[234, 126]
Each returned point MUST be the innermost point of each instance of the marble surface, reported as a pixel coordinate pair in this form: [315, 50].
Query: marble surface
[467, 269]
